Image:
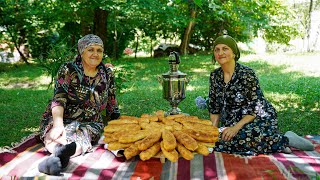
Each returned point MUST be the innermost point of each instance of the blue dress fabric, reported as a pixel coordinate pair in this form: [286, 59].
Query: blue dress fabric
[242, 96]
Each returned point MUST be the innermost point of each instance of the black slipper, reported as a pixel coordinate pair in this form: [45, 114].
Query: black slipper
[64, 152]
[50, 166]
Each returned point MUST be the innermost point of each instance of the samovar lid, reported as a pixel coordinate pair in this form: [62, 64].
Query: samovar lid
[175, 74]
[174, 58]
[174, 61]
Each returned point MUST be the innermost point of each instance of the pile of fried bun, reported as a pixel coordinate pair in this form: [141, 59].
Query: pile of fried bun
[157, 136]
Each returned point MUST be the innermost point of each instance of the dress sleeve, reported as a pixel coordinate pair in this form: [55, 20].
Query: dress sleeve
[61, 87]
[213, 104]
[254, 94]
[112, 109]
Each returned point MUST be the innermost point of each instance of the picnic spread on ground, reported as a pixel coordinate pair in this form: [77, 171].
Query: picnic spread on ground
[168, 145]
[161, 136]
[122, 156]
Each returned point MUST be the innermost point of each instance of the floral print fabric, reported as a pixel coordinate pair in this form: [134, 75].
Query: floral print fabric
[239, 97]
[83, 99]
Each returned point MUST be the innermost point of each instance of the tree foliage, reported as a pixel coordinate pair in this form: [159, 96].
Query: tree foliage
[37, 24]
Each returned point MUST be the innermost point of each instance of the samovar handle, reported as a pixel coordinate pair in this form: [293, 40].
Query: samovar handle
[174, 57]
[176, 54]
[188, 79]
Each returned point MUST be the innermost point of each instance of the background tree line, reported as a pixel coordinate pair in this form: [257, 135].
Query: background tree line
[33, 27]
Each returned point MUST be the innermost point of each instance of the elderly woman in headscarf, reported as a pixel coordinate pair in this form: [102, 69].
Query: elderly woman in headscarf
[248, 122]
[72, 122]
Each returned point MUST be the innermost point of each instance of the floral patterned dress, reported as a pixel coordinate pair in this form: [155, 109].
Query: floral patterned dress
[83, 99]
[239, 97]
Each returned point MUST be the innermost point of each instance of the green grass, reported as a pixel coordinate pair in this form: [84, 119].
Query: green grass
[290, 83]
[23, 98]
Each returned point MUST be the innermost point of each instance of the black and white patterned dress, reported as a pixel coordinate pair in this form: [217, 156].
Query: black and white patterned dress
[242, 96]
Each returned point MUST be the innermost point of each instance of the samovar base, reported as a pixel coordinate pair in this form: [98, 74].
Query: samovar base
[174, 111]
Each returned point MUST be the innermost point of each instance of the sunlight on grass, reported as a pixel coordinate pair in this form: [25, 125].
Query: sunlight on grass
[308, 65]
[284, 101]
[134, 87]
[43, 79]
[197, 70]
[30, 129]
[138, 66]
[193, 88]
[39, 83]
[125, 90]
[145, 78]
[316, 108]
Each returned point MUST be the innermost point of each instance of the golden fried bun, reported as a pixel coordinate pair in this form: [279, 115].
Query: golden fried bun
[144, 115]
[200, 136]
[131, 151]
[108, 138]
[153, 118]
[117, 127]
[186, 140]
[193, 120]
[173, 155]
[150, 152]
[117, 145]
[168, 139]
[209, 145]
[133, 136]
[160, 113]
[149, 140]
[185, 153]
[123, 121]
[177, 126]
[143, 120]
[202, 150]
[127, 117]
[198, 126]
[175, 116]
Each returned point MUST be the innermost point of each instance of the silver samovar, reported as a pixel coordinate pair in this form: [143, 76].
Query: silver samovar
[174, 84]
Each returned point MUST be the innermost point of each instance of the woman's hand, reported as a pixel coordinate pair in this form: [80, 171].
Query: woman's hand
[229, 132]
[58, 134]
[215, 119]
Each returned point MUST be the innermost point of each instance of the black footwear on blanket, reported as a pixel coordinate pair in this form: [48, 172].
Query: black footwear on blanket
[50, 166]
[64, 152]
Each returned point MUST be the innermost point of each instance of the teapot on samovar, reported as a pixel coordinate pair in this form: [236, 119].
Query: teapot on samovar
[174, 84]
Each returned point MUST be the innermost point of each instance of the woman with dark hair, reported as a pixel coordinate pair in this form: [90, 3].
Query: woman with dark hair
[236, 102]
[72, 122]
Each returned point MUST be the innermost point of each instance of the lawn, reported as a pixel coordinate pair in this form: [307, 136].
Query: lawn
[290, 82]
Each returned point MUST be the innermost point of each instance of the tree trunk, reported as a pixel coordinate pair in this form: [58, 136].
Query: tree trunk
[85, 28]
[16, 45]
[137, 45]
[188, 31]
[309, 25]
[115, 44]
[151, 48]
[316, 36]
[115, 47]
[100, 24]
[186, 38]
